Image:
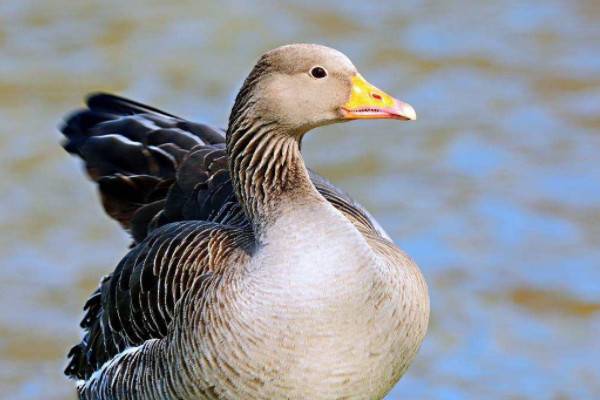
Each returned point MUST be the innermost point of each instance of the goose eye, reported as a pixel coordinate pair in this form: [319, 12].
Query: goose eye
[318, 72]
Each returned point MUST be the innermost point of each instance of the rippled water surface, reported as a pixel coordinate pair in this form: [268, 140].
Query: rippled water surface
[494, 191]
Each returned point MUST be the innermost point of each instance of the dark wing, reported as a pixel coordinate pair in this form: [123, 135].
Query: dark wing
[151, 167]
[137, 301]
[166, 181]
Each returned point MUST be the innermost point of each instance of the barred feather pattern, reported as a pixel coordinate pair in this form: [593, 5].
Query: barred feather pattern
[154, 304]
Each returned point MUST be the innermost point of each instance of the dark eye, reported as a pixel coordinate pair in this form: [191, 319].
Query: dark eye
[318, 72]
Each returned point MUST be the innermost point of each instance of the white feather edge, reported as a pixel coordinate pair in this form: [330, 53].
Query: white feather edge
[81, 383]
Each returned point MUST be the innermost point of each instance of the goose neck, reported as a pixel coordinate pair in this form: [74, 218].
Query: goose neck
[267, 171]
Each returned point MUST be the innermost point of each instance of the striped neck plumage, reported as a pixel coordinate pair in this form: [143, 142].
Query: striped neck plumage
[266, 169]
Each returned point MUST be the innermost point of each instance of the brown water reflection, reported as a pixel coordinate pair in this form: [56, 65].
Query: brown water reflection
[494, 191]
[546, 301]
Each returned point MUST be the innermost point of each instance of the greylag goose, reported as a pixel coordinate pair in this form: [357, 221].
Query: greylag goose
[249, 276]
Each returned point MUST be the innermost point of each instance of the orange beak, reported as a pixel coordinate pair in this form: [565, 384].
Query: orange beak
[368, 102]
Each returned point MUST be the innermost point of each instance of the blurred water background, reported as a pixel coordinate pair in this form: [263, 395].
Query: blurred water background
[494, 190]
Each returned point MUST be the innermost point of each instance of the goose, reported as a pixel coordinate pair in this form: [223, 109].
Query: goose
[249, 276]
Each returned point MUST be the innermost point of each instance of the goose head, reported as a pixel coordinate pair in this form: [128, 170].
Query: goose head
[303, 86]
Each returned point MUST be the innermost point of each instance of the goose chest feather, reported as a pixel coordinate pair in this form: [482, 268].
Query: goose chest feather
[250, 277]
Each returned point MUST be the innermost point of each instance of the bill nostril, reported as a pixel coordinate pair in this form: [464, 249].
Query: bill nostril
[376, 96]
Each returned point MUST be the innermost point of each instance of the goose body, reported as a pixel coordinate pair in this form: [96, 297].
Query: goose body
[250, 277]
